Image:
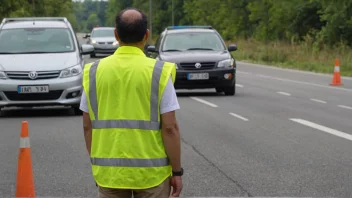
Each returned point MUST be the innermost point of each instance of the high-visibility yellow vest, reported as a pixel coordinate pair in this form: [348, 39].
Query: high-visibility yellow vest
[123, 94]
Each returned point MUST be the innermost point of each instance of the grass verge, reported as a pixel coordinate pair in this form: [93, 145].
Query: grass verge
[301, 56]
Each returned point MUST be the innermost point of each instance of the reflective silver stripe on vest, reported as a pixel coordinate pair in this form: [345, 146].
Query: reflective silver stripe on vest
[154, 96]
[127, 124]
[125, 162]
[153, 124]
[93, 89]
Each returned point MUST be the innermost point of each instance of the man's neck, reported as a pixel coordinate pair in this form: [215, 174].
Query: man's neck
[139, 45]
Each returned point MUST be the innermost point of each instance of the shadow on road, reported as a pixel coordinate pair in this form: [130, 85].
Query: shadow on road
[203, 93]
[36, 112]
[187, 94]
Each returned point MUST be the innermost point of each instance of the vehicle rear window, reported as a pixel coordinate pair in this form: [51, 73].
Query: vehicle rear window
[192, 40]
[31, 40]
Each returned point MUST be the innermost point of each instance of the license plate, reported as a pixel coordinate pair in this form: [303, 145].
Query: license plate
[107, 46]
[33, 89]
[198, 76]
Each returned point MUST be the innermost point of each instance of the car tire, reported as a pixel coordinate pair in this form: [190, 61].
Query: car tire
[219, 90]
[77, 111]
[230, 91]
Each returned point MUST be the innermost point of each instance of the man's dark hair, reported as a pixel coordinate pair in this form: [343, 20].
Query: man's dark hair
[131, 29]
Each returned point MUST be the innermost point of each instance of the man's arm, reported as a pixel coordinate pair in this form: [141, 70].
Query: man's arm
[171, 134]
[87, 127]
[87, 123]
[170, 129]
[171, 138]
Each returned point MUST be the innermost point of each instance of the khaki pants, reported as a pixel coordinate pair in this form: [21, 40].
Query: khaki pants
[161, 191]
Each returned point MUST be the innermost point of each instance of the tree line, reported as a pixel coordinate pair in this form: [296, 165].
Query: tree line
[321, 22]
[38, 8]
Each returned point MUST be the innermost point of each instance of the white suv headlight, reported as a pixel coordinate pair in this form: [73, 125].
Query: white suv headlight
[2, 75]
[228, 63]
[115, 43]
[72, 71]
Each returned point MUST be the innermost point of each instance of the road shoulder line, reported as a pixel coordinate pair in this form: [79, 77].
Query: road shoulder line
[291, 70]
[323, 128]
[305, 83]
[345, 107]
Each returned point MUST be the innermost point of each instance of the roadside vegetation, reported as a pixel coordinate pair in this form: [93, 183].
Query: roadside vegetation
[300, 56]
[301, 34]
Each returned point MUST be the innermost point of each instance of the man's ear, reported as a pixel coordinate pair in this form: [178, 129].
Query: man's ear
[147, 34]
[116, 35]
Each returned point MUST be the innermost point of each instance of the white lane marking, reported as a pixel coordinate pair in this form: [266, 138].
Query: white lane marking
[323, 128]
[283, 93]
[305, 83]
[316, 100]
[290, 70]
[204, 102]
[242, 72]
[345, 107]
[238, 116]
[238, 85]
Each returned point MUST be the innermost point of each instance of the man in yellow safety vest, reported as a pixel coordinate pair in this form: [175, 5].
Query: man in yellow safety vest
[130, 127]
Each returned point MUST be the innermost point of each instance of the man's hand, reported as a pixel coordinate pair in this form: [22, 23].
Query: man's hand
[176, 183]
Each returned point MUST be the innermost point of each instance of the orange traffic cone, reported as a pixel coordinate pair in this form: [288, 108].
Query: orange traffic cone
[25, 180]
[336, 81]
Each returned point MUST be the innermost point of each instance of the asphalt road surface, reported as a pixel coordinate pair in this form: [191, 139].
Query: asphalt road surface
[285, 133]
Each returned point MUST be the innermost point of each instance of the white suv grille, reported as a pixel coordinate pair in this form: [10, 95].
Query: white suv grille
[40, 75]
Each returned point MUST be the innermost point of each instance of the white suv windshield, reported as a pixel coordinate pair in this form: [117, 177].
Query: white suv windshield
[103, 33]
[192, 41]
[36, 40]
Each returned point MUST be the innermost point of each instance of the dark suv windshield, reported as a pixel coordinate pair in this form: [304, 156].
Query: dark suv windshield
[36, 40]
[192, 41]
[103, 33]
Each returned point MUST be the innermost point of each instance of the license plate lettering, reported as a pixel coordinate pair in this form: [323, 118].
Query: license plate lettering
[33, 89]
[198, 76]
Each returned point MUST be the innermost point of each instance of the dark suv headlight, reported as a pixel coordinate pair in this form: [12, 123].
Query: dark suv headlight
[228, 63]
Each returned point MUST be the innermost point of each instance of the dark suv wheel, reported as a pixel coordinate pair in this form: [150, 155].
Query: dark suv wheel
[230, 91]
[219, 90]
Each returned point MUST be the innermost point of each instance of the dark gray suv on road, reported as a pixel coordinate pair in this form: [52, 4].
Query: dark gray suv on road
[202, 58]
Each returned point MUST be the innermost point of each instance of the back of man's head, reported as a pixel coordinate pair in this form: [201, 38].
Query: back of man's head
[131, 25]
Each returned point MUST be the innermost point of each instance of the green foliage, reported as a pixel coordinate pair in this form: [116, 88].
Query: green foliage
[92, 21]
[91, 13]
[321, 22]
[316, 26]
[38, 8]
